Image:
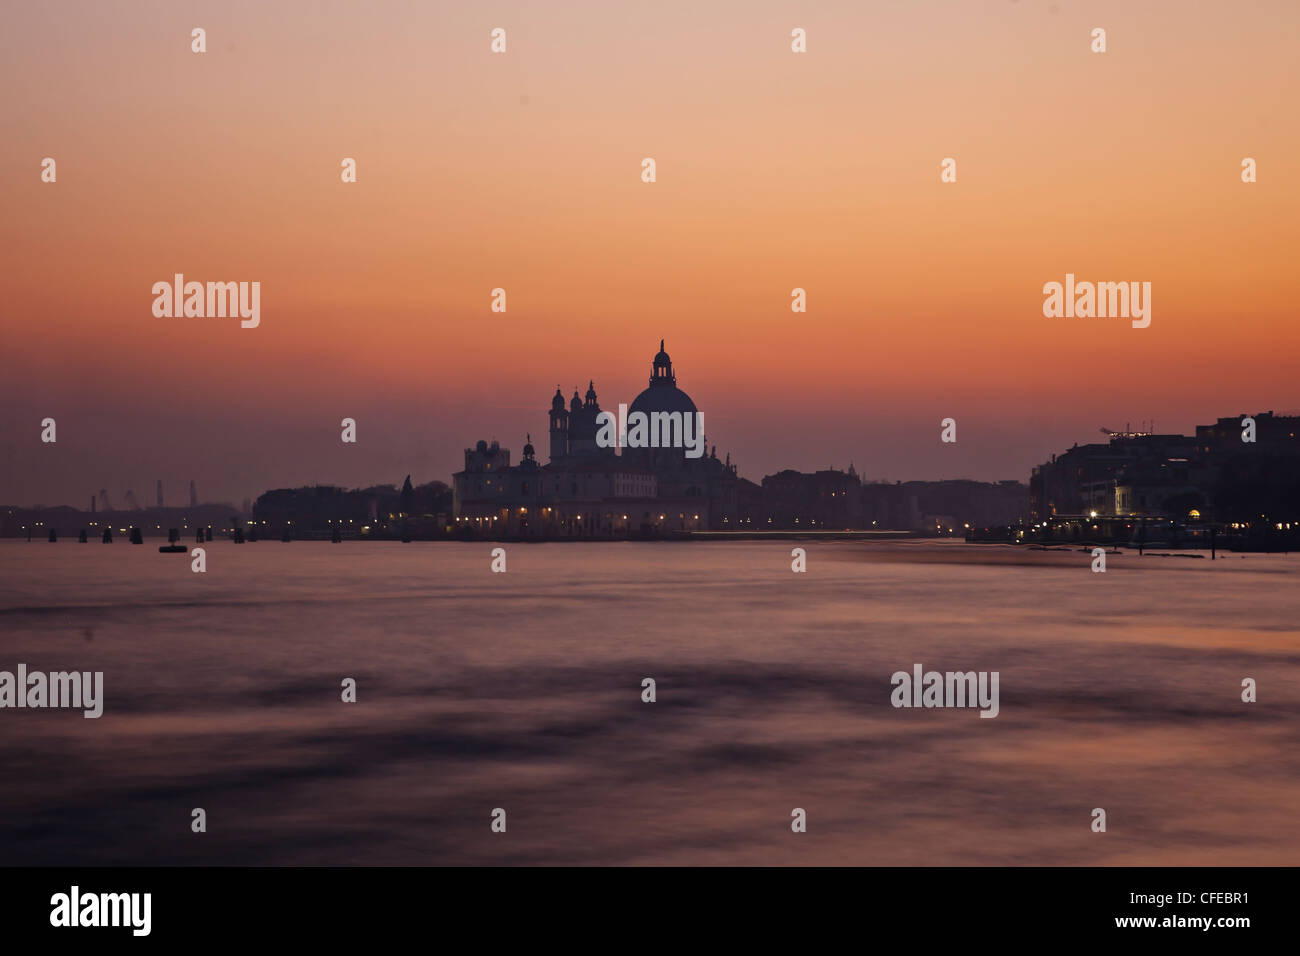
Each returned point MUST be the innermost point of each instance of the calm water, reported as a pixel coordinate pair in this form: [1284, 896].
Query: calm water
[522, 691]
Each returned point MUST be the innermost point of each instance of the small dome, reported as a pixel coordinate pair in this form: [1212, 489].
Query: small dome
[557, 403]
[662, 360]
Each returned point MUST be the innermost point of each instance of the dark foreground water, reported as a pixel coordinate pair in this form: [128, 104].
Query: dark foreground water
[523, 691]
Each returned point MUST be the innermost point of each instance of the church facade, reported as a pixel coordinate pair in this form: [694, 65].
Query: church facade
[588, 491]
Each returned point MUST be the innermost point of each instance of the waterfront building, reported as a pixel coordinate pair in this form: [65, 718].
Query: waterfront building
[1212, 475]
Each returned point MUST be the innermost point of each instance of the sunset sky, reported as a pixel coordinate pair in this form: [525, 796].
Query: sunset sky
[522, 170]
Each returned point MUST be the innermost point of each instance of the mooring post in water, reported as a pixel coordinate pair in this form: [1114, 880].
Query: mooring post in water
[1211, 544]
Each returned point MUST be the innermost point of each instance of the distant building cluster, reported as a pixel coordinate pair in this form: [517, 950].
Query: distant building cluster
[1241, 473]
[39, 520]
[834, 500]
[380, 510]
[1211, 476]
[588, 491]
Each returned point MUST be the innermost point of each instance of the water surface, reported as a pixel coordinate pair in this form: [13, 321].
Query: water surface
[523, 691]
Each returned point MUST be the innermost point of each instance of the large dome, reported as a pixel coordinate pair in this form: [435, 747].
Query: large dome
[663, 399]
[663, 395]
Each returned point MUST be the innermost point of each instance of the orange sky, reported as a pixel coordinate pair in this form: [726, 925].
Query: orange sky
[522, 170]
